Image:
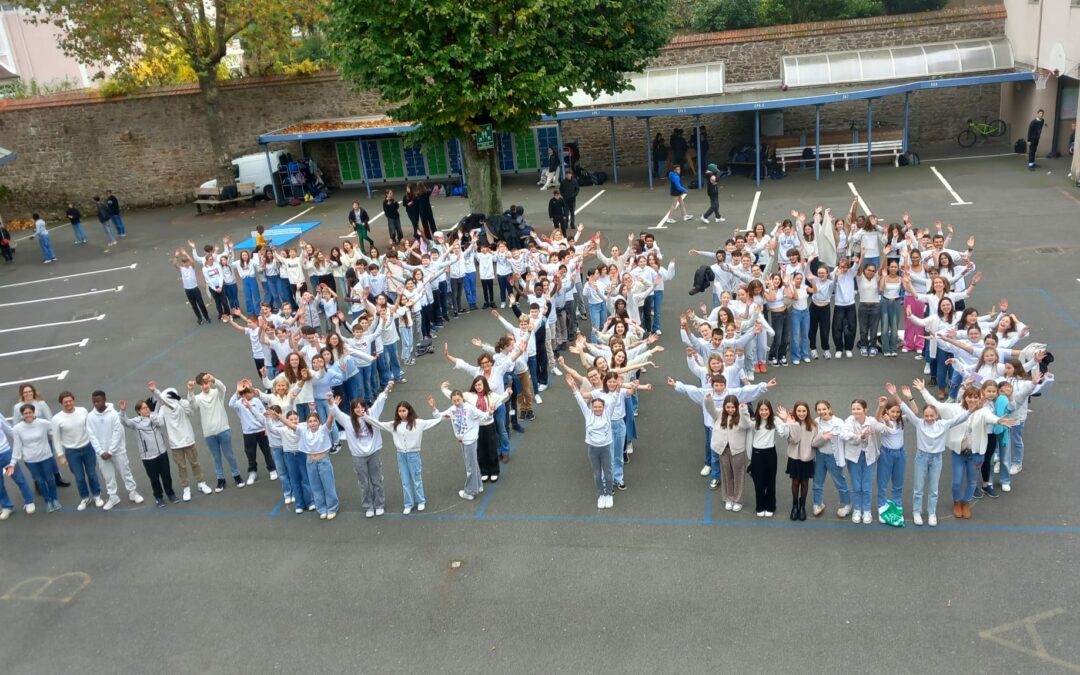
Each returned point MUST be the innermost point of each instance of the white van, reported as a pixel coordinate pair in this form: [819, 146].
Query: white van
[253, 169]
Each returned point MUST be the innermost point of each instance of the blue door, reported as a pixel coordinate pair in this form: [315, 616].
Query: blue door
[372, 165]
[504, 148]
[452, 150]
[414, 161]
[546, 137]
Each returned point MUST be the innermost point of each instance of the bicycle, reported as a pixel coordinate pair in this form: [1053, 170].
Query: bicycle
[977, 130]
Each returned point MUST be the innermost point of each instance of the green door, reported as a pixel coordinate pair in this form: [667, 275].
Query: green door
[393, 163]
[435, 153]
[525, 144]
[349, 163]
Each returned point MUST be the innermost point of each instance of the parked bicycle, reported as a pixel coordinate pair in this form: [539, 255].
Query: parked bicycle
[977, 130]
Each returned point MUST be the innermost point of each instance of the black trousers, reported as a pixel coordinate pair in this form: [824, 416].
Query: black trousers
[487, 450]
[714, 207]
[560, 223]
[261, 442]
[457, 287]
[394, 225]
[221, 302]
[489, 292]
[571, 206]
[781, 325]
[844, 327]
[541, 355]
[157, 470]
[195, 299]
[820, 325]
[987, 468]
[1033, 147]
[763, 472]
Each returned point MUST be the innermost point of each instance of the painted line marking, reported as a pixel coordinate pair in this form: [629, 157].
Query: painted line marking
[1059, 310]
[594, 198]
[959, 200]
[286, 222]
[58, 377]
[858, 196]
[753, 212]
[99, 317]
[1072, 197]
[81, 343]
[1038, 647]
[660, 225]
[63, 297]
[71, 276]
[951, 159]
[352, 235]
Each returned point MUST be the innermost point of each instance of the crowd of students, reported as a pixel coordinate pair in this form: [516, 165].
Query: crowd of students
[331, 333]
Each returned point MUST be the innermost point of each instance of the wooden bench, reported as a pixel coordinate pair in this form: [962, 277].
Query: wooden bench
[211, 197]
[845, 152]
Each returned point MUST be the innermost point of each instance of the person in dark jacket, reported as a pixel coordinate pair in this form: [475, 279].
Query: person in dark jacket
[712, 187]
[76, 224]
[427, 214]
[392, 210]
[105, 216]
[412, 209]
[358, 219]
[1034, 133]
[5, 245]
[551, 173]
[557, 211]
[678, 194]
[114, 213]
[678, 146]
[569, 188]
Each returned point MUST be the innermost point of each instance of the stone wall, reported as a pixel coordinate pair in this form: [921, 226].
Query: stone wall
[152, 147]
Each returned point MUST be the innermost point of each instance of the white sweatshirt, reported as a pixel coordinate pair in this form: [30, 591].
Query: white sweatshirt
[106, 431]
[211, 407]
[597, 427]
[406, 439]
[30, 441]
[367, 442]
[69, 429]
[176, 413]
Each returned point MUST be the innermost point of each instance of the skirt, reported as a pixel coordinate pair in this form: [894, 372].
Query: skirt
[800, 470]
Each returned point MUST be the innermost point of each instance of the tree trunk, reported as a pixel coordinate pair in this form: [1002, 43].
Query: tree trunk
[483, 178]
[215, 121]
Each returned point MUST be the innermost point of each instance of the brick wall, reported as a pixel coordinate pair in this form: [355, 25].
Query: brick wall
[152, 148]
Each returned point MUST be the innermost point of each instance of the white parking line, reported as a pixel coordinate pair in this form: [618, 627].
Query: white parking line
[594, 198]
[71, 276]
[352, 235]
[753, 212]
[660, 225]
[58, 376]
[959, 200]
[63, 297]
[286, 222]
[99, 317]
[81, 343]
[862, 203]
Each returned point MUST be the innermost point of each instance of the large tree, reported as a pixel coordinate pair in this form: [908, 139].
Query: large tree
[454, 65]
[121, 32]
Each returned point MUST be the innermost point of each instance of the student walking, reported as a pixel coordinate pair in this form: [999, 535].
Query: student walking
[712, 188]
[41, 231]
[105, 218]
[114, 213]
[678, 195]
[75, 218]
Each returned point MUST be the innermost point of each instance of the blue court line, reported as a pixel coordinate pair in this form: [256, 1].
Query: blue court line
[277, 508]
[1060, 311]
[151, 359]
[706, 519]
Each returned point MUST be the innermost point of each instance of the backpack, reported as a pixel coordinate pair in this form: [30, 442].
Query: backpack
[1020, 147]
[599, 178]
[584, 178]
[807, 157]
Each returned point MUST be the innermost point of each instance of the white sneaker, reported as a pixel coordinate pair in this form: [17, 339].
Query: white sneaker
[856, 516]
[727, 506]
[82, 505]
[629, 448]
[843, 511]
[932, 521]
[331, 515]
[311, 508]
[688, 217]
[705, 470]
[465, 495]
[1005, 487]
[30, 508]
[813, 354]
[670, 220]
[610, 501]
[421, 507]
[768, 514]
[5, 514]
[204, 488]
[290, 500]
[737, 507]
[98, 501]
[601, 503]
[849, 354]
[379, 512]
[502, 305]
[555, 369]
[873, 351]
[542, 387]
[273, 475]
[539, 401]
[1015, 469]
[719, 220]
[839, 354]
[322, 516]
[113, 501]
[406, 511]
[760, 514]
[867, 518]
[917, 519]
[926, 369]
[251, 478]
[299, 510]
[828, 355]
[370, 513]
[705, 220]
[135, 497]
[862, 351]
[187, 494]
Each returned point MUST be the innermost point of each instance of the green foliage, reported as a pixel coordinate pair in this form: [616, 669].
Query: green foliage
[715, 15]
[20, 89]
[778, 12]
[911, 6]
[302, 68]
[455, 64]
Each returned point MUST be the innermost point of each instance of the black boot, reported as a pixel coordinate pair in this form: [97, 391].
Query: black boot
[802, 508]
[794, 510]
[60, 482]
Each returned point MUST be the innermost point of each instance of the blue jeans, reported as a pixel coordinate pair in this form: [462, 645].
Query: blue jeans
[283, 473]
[46, 247]
[321, 476]
[597, 317]
[20, 481]
[269, 292]
[504, 287]
[965, 471]
[232, 292]
[825, 463]
[712, 459]
[1004, 457]
[927, 477]
[890, 467]
[368, 390]
[251, 296]
[107, 226]
[393, 363]
[412, 478]
[890, 324]
[657, 301]
[83, 464]
[220, 445]
[618, 444]
[322, 407]
[872, 260]
[43, 474]
[800, 334]
[354, 388]
[382, 367]
[862, 480]
[470, 289]
[942, 371]
[80, 233]
[631, 421]
[504, 435]
[1016, 442]
[303, 410]
[119, 224]
[296, 467]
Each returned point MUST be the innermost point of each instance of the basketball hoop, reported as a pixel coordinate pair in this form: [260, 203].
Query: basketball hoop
[1042, 76]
